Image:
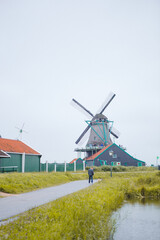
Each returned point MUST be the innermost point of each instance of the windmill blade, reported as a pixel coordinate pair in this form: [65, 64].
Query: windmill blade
[79, 106]
[82, 135]
[106, 102]
[114, 132]
[84, 139]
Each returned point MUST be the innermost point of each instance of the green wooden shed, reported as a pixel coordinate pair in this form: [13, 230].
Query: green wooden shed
[17, 156]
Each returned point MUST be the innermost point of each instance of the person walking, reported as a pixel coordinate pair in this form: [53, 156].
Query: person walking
[90, 174]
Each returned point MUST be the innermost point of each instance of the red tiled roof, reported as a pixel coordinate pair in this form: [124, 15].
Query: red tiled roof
[16, 146]
[98, 153]
[75, 159]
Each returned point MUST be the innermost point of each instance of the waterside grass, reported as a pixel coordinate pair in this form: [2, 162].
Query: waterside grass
[85, 214]
[82, 215]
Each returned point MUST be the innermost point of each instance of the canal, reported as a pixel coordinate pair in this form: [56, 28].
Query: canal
[137, 220]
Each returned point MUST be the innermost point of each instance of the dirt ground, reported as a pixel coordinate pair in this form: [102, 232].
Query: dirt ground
[2, 194]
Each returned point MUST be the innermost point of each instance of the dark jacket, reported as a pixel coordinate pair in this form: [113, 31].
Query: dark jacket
[90, 172]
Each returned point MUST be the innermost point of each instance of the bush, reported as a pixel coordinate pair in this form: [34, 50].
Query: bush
[105, 168]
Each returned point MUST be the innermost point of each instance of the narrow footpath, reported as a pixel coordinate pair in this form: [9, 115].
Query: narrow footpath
[14, 205]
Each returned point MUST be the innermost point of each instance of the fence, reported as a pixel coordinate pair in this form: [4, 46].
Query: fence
[62, 167]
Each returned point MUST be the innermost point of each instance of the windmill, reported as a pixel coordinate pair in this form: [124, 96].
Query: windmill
[101, 128]
[21, 130]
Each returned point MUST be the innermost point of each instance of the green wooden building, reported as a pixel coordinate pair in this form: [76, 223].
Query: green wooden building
[17, 156]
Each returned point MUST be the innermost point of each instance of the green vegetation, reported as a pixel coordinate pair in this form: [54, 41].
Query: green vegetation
[25, 182]
[143, 186]
[83, 215]
[87, 213]
[107, 168]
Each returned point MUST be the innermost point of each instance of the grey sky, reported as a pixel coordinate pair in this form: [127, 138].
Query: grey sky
[52, 51]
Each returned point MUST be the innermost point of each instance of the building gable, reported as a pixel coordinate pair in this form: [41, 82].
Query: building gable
[4, 154]
[77, 160]
[119, 156]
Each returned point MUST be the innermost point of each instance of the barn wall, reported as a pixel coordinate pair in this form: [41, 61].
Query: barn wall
[2, 161]
[32, 163]
[89, 163]
[14, 160]
[122, 156]
[79, 160]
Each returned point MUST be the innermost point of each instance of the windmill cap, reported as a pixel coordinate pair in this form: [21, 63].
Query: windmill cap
[99, 116]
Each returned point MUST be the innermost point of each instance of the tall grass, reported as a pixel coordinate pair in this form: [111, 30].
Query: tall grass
[24, 182]
[143, 186]
[85, 214]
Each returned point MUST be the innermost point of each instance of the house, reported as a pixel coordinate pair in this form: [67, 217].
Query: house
[77, 160]
[113, 155]
[17, 156]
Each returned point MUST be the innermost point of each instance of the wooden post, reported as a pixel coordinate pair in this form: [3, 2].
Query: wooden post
[23, 162]
[46, 166]
[55, 167]
[74, 166]
[65, 166]
[84, 167]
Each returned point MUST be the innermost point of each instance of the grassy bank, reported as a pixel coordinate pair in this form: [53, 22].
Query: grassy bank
[85, 214]
[25, 182]
[143, 186]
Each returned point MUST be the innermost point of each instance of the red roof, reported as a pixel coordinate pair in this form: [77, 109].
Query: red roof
[16, 146]
[98, 153]
[75, 159]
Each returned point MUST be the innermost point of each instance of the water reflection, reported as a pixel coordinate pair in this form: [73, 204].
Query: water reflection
[138, 220]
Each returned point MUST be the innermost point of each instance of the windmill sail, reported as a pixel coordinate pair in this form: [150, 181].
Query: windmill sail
[106, 102]
[82, 135]
[115, 132]
[98, 124]
[81, 108]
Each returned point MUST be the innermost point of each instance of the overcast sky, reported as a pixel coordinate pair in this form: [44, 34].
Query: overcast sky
[53, 51]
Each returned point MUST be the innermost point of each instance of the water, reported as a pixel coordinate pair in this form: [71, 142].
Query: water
[138, 220]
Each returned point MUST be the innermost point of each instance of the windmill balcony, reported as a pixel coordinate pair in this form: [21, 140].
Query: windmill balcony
[88, 148]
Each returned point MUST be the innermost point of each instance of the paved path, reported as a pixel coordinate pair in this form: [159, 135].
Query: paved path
[13, 205]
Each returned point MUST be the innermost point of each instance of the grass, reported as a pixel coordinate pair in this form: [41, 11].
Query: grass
[143, 186]
[25, 182]
[85, 214]
[107, 168]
